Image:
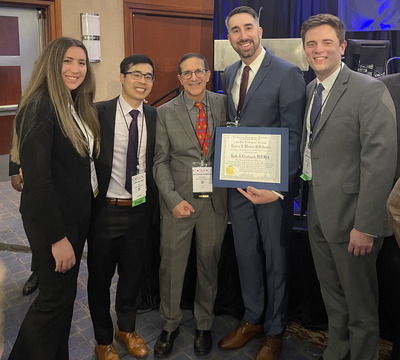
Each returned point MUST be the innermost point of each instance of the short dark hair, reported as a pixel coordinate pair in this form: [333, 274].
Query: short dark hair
[189, 56]
[324, 19]
[242, 10]
[134, 60]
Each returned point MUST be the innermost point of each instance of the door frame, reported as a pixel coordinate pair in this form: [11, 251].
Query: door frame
[53, 13]
[154, 7]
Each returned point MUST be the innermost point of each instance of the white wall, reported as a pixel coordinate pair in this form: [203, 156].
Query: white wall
[111, 36]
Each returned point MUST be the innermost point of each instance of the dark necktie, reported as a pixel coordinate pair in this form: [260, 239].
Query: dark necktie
[243, 88]
[131, 153]
[316, 108]
[202, 130]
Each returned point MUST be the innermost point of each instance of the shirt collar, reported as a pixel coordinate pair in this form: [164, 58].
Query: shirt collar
[330, 80]
[190, 103]
[126, 108]
[255, 65]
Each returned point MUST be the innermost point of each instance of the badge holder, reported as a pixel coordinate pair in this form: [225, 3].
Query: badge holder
[307, 168]
[138, 189]
[202, 179]
[93, 179]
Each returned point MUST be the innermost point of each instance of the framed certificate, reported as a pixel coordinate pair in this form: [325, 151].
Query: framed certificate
[255, 156]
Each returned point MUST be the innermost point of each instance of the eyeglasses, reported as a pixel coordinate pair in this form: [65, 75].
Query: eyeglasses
[200, 73]
[137, 75]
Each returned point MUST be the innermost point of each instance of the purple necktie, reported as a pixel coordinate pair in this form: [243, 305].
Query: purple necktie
[131, 153]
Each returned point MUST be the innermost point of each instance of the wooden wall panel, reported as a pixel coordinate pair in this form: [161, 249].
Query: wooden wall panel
[9, 36]
[170, 39]
[53, 12]
[10, 93]
[6, 126]
[10, 89]
[175, 8]
[165, 31]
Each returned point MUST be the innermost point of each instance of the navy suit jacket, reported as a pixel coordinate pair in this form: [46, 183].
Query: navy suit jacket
[275, 98]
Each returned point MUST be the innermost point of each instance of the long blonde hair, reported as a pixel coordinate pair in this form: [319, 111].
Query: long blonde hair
[46, 81]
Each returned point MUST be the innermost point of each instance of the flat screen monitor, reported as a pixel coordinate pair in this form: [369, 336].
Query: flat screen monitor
[367, 56]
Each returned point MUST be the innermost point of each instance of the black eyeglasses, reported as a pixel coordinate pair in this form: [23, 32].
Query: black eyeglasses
[200, 73]
[137, 75]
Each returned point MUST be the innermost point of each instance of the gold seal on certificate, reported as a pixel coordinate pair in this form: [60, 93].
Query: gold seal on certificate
[255, 156]
[229, 170]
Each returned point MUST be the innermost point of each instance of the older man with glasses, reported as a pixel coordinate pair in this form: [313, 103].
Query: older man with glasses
[183, 160]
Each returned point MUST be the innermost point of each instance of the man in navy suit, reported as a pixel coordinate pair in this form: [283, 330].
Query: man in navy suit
[123, 213]
[262, 219]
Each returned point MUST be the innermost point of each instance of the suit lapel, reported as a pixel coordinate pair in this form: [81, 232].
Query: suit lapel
[259, 78]
[107, 119]
[231, 105]
[214, 106]
[337, 92]
[150, 127]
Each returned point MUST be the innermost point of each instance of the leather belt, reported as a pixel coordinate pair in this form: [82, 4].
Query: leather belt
[119, 202]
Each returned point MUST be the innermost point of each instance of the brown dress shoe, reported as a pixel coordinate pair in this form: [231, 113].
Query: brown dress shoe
[240, 336]
[133, 342]
[105, 352]
[270, 349]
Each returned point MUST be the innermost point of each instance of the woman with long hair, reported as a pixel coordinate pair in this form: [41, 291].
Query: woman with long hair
[56, 136]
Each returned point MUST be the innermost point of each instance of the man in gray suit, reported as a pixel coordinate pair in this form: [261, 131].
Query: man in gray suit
[183, 158]
[349, 159]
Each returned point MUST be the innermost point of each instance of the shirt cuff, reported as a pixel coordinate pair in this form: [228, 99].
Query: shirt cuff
[280, 195]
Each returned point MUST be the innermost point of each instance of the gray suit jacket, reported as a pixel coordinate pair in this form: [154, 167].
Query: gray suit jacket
[177, 148]
[353, 156]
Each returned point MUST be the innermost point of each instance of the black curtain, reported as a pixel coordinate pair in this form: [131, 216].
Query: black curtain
[283, 19]
[279, 19]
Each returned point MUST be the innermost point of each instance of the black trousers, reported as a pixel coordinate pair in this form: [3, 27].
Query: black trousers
[45, 330]
[117, 240]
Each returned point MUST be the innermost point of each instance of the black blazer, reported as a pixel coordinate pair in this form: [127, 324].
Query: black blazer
[13, 168]
[57, 189]
[106, 111]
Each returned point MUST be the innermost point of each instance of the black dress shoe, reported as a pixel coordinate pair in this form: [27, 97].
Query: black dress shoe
[202, 342]
[31, 285]
[165, 342]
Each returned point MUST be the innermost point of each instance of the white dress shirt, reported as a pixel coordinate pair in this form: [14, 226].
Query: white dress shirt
[254, 66]
[123, 119]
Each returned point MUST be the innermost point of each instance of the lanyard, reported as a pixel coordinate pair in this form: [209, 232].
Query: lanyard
[212, 119]
[313, 122]
[83, 130]
[141, 133]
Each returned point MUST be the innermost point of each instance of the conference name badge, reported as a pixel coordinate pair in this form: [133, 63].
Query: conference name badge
[138, 189]
[202, 179]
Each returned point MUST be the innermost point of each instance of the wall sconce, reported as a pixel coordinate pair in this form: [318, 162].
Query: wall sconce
[90, 31]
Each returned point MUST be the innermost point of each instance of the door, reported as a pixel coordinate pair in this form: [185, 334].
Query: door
[171, 38]
[20, 38]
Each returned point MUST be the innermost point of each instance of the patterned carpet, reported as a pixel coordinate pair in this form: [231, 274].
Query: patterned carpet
[320, 338]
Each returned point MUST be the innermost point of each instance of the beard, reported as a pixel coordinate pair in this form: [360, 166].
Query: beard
[248, 53]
